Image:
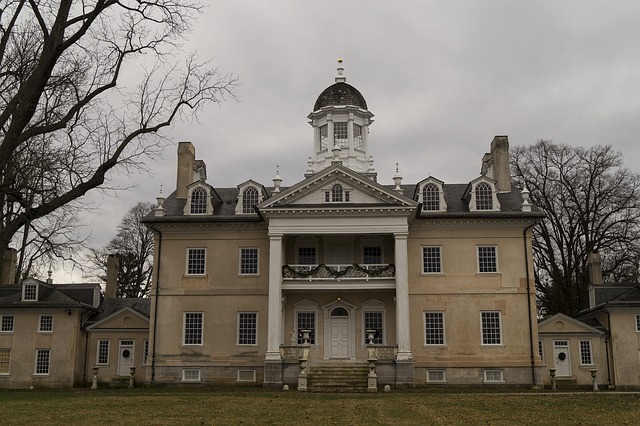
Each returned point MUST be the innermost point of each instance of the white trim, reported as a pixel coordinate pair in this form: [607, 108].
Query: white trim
[30, 284]
[186, 269]
[238, 328]
[184, 328]
[40, 317]
[374, 305]
[482, 343]
[250, 373]
[441, 202]
[309, 306]
[35, 362]
[98, 352]
[207, 189]
[115, 314]
[498, 372]
[351, 309]
[240, 200]
[424, 328]
[8, 373]
[436, 372]
[590, 346]
[495, 204]
[422, 271]
[13, 323]
[197, 379]
[244, 274]
[497, 266]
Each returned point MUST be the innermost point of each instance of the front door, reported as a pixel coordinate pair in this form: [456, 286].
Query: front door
[125, 357]
[561, 358]
[339, 324]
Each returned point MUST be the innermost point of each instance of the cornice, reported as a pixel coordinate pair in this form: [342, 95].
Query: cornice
[471, 222]
[211, 226]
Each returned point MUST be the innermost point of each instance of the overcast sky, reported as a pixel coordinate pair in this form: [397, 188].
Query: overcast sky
[441, 77]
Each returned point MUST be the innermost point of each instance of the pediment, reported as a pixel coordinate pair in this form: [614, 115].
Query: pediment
[313, 192]
[125, 318]
[561, 324]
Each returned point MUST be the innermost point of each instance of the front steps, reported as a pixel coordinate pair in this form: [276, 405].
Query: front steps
[338, 376]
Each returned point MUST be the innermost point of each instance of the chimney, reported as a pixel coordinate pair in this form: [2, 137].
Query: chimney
[186, 159]
[595, 268]
[9, 267]
[111, 289]
[500, 159]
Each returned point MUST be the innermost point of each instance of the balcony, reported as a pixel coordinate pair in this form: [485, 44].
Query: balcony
[341, 276]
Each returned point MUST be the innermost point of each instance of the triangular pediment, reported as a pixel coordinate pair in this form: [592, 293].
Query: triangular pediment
[125, 318]
[560, 323]
[315, 191]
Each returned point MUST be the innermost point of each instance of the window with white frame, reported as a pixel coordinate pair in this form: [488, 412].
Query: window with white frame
[431, 260]
[493, 376]
[541, 349]
[145, 353]
[196, 261]
[340, 135]
[372, 255]
[30, 292]
[487, 259]
[250, 199]
[191, 375]
[436, 376]
[357, 136]
[434, 328]
[491, 328]
[637, 323]
[585, 352]
[484, 196]
[6, 323]
[374, 320]
[45, 323]
[431, 197]
[102, 355]
[306, 321]
[324, 137]
[192, 334]
[337, 194]
[199, 201]
[247, 328]
[306, 255]
[42, 361]
[248, 261]
[246, 376]
[5, 360]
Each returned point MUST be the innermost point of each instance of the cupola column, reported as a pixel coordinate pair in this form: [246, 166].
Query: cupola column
[350, 133]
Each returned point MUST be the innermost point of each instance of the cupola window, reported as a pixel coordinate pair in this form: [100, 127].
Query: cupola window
[340, 134]
[199, 201]
[357, 136]
[484, 196]
[431, 197]
[324, 137]
[250, 199]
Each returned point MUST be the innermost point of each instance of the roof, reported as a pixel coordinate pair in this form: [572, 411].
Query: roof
[340, 94]
[617, 294]
[110, 306]
[51, 295]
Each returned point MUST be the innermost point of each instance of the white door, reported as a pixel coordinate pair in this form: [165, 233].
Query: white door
[340, 337]
[125, 357]
[561, 358]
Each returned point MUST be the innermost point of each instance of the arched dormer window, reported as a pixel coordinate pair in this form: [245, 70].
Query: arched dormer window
[431, 197]
[250, 198]
[199, 201]
[484, 196]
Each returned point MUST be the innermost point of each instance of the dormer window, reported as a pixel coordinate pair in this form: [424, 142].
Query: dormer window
[29, 292]
[431, 195]
[199, 201]
[337, 194]
[250, 199]
[484, 196]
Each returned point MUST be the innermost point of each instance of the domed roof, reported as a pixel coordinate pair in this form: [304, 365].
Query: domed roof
[340, 94]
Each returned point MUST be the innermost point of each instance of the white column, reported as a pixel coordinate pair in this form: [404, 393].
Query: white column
[274, 322]
[402, 297]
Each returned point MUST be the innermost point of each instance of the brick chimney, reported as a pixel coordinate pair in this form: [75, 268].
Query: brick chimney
[111, 289]
[9, 267]
[500, 157]
[186, 159]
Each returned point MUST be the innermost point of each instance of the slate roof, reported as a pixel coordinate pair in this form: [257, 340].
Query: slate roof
[110, 306]
[340, 94]
[618, 294]
[51, 295]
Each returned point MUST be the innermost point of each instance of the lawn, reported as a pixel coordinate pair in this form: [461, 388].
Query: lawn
[248, 406]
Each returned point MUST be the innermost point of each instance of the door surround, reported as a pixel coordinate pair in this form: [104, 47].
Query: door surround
[351, 310]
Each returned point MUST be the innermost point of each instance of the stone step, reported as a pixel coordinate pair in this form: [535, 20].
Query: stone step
[338, 377]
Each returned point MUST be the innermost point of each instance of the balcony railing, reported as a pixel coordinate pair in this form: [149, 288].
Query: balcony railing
[338, 272]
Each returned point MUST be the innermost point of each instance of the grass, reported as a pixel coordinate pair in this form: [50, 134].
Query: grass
[248, 406]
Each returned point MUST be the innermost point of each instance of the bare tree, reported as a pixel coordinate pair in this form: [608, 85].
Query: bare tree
[64, 123]
[133, 244]
[591, 203]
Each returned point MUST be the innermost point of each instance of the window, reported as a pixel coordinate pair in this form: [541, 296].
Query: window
[246, 376]
[45, 323]
[484, 196]
[199, 201]
[357, 136]
[372, 255]
[248, 261]
[436, 376]
[637, 323]
[585, 352]
[247, 328]
[145, 354]
[491, 328]
[6, 323]
[374, 321]
[196, 261]
[337, 193]
[487, 259]
[191, 375]
[5, 358]
[541, 349]
[307, 256]
[306, 321]
[42, 361]
[30, 292]
[323, 137]
[431, 260]
[250, 199]
[192, 328]
[340, 135]
[102, 356]
[493, 376]
[434, 328]
[430, 197]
